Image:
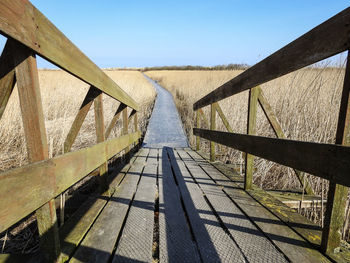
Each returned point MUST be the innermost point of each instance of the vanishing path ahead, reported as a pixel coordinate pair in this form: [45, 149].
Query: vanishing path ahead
[165, 127]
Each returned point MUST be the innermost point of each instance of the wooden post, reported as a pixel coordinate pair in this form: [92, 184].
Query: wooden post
[251, 129]
[197, 126]
[100, 133]
[35, 135]
[212, 127]
[7, 76]
[125, 126]
[337, 194]
[136, 128]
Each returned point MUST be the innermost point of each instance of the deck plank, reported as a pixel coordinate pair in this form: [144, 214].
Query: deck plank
[290, 243]
[100, 240]
[175, 242]
[253, 243]
[136, 242]
[213, 243]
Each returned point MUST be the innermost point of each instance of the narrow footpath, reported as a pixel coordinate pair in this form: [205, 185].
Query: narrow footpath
[165, 127]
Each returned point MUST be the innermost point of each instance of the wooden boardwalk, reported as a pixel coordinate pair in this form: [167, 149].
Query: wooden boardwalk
[169, 204]
[173, 206]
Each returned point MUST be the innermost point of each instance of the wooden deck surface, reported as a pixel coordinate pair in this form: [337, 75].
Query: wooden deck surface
[173, 206]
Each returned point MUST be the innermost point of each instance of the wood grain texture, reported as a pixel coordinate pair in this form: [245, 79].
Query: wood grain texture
[37, 148]
[323, 41]
[29, 187]
[328, 161]
[20, 20]
[100, 137]
[7, 76]
[251, 129]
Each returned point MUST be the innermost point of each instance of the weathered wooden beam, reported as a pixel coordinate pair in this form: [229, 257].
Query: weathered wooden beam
[251, 129]
[337, 194]
[323, 41]
[114, 119]
[20, 20]
[29, 187]
[37, 147]
[212, 127]
[100, 134]
[223, 117]
[125, 126]
[7, 76]
[79, 119]
[276, 127]
[204, 119]
[197, 125]
[328, 161]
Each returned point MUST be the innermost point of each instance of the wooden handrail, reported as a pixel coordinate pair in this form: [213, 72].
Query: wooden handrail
[28, 187]
[34, 187]
[21, 21]
[328, 161]
[325, 40]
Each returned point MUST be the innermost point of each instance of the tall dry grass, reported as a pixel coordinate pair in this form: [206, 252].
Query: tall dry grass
[62, 95]
[306, 103]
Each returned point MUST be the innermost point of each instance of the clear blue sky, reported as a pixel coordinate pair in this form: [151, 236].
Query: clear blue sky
[135, 33]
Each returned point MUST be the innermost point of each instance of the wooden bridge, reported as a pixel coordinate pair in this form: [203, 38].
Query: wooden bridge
[169, 203]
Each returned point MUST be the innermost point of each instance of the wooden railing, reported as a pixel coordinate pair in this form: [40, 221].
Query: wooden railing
[35, 186]
[331, 162]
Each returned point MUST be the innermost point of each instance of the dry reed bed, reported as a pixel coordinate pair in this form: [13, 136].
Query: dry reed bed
[306, 103]
[62, 95]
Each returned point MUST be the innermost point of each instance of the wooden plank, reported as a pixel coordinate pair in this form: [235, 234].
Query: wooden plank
[136, 241]
[324, 160]
[73, 231]
[114, 119]
[337, 194]
[323, 41]
[99, 242]
[31, 186]
[212, 127]
[79, 119]
[36, 141]
[7, 76]
[285, 238]
[252, 242]
[271, 116]
[175, 242]
[213, 243]
[251, 130]
[20, 20]
[223, 117]
[100, 137]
